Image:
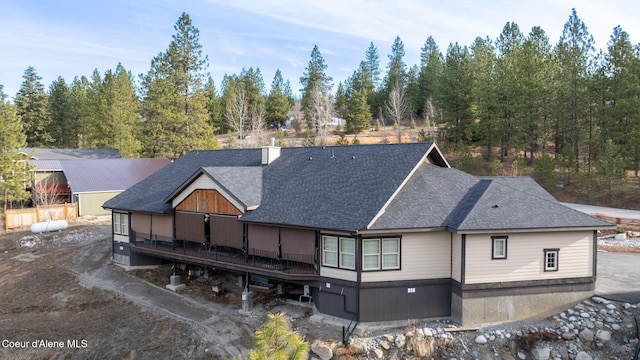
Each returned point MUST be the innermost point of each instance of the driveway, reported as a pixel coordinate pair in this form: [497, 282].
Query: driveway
[619, 276]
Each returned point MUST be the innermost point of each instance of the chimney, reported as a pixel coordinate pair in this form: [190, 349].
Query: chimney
[270, 153]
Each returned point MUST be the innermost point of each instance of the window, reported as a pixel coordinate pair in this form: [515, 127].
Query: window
[380, 254]
[498, 247]
[370, 254]
[339, 252]
[348, 253]
[551, 259]
[120, 223]
[330, 251]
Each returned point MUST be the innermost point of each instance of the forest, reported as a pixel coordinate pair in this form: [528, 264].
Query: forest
[515, 104]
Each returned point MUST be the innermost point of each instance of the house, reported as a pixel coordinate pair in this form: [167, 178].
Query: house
[349, 224]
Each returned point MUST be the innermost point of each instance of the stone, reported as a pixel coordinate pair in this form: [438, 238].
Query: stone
[611, 306]
[586, 334]
[627, 306]
[615, 327]
[521, 355]
[589, 324]
[427, 332]
[585, 315]
[322, 350]
[569, 335]
[378, 353]
[400, 341]
[543, 353]
[359, 347]
[583, 356]
[598, 299]
[421, 332]
[385, 345]
[480, 339]
[603, 335]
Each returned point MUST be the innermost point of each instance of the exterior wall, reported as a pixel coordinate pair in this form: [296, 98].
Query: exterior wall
[456, 257]
[525, 257]
[141, 223]
[405, 300]
[91, 203]
[485, 310]
[336, 298]
[422, 256]
[159, 226]
[204, 195]
[334, 273]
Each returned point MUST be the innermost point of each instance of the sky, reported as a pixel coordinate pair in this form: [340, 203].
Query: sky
[72, 38]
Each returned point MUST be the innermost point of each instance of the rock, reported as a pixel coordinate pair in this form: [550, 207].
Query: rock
[583, 356]
[480, 339]
[615, 327]
[389, 338]
[421, 332]
[385, 345]
[541, 353]
[378, 353]
[585, 315]
[627, 306]
[611, 306]
[322, 350]
[359, 347]
[521, 355]
[586, 334]
[400, 341]
[599, 300]
[427, 332]
[569, 335]
[603, 335]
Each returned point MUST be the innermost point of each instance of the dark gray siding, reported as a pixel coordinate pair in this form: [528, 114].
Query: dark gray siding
[338, 300]
[393, 301]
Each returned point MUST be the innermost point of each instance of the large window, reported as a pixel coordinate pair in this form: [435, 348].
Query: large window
[551, 259]
[498, 247]
[339, 252]
[120, 223]
[381, 254]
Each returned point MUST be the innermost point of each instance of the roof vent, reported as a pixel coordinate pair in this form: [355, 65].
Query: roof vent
[495, 206]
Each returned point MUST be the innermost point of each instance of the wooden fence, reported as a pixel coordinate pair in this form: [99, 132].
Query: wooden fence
[17, 218]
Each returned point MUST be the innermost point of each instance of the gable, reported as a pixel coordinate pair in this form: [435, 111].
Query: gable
[208, 201]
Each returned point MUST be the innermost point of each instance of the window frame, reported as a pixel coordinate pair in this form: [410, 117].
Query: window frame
[382, 254]
[120, 223]
[494, 240]
[556, 253]
[343, 254]
[324, 251]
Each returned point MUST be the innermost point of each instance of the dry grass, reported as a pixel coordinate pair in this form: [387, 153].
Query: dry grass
[627, 249]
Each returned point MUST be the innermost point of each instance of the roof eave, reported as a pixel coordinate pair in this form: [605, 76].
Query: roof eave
[523, 230]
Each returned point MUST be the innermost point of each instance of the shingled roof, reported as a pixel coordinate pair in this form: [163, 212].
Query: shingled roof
[359, 188]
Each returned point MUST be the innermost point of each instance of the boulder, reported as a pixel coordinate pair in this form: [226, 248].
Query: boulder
[322, 350]
[583, 356]
[543, 353]
[603, 335]
[480, 339]
[586, 335]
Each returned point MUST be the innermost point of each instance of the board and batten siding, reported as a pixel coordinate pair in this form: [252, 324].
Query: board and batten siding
[525, 257]
[456, 257]
[203, 182]
[423, 256]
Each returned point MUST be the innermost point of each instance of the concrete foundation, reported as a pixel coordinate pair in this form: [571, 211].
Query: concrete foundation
[482, 311]
[174, 284]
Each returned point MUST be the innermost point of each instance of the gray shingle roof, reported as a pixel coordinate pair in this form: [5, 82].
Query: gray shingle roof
[447, 198]
[149, 194]
[108, 174]
[242, 182]
[336, 187]
[68, 154]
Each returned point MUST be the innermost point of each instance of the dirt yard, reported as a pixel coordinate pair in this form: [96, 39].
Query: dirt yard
[63, 299]
[58, 303]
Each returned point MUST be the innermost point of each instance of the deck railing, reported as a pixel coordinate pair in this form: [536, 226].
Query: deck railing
[267, 260]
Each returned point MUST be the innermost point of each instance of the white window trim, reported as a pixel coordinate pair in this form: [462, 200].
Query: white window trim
[556, 253]
[377, 255]
[382, 254]
[346, 253]
[397, 254]
[325, 251]
[494, 241]
[121, 223]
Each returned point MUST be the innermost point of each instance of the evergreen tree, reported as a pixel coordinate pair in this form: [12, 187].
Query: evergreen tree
[359, 115]
[372, 62]
[430, 71]
[485, 94]
[14, 171]
[32, 104]
[175, 98]
[275, 340]
[573, 56]
[60, 113]
[214, 108]
[396, 69]
[279, 101]
[314, 80]
[78, 113]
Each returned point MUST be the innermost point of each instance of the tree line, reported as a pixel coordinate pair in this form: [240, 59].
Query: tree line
[517, 95]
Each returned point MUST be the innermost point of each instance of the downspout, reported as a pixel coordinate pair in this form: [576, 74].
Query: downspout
[358, 261]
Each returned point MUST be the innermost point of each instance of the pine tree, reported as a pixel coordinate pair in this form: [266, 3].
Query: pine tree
[275, 340]
[430, 71]
[175, 98]
[313, 80]
[14, 171]
[359, 115]
[32, 104]
[279, 101]
[60, 113]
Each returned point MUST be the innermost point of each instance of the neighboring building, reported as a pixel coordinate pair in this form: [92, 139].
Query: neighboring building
[392, 223]
[88, 177]
[94, 181]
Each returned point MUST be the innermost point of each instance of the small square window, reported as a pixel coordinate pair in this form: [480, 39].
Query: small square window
[551, 259]
[498, 247]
